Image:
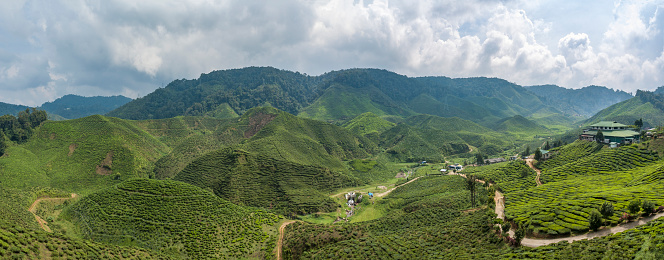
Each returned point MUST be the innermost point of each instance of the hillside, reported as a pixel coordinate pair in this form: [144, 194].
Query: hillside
[404, 143]
[257, 180]
[367, 123]
[74, 106]
[174, 218]
[336, 95]
[645, 105]
[81, 155]
[520, 125]
[580, 103]
[11, 109]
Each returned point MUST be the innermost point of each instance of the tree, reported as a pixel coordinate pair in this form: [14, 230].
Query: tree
[505, 226]
[526, 152]
[519, 234]
[639, 123]
[606, 209]
[634, 206]
[648, 207]
[595, 220]
[479, 159]
[538, 155]
[471, 186]
[547, 146]
[599, 137]
[3, 144]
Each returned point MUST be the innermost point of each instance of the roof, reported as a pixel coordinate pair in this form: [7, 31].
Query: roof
[616, 133]
[544, 151]
[608, 124]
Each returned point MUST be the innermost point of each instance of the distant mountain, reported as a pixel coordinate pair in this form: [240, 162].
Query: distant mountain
[337, 96]
[584, 102]
[10, 109]
[73, 106]
[659, 90]
[645, 104]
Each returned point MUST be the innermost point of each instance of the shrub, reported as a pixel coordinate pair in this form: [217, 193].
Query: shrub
[648, 207]
[595, 219]
[506, 227]
[634, 206]
[626, 217]
[660, 209]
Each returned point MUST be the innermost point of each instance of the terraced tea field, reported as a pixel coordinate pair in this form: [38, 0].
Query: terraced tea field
[175, 218]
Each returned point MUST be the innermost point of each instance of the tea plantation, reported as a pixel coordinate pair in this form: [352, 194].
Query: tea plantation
[175, 218]
[424, 221]
[256, 180]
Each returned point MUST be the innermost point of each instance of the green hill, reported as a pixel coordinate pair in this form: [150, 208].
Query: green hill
[337, 95]
[11, 109]
[448, 124]
[367, 123]
[580, 103]
[74, 106]
[646, 105]
[409, 144]
[520, 125]
[174, 218]
[81, 155]
[257, 180]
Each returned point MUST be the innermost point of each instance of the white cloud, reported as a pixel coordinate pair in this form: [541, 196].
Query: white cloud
[132, 47]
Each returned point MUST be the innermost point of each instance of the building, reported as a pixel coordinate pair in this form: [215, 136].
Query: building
[612, 131]
[494, 160]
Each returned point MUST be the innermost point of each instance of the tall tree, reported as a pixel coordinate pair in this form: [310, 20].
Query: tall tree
[538, 155]
[599, 137]
[471, 185]
[479, 159]
[606, 209]
[547, 146]
[526, 152]
[3, 144]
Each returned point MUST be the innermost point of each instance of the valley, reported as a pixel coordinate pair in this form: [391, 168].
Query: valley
[260, 163]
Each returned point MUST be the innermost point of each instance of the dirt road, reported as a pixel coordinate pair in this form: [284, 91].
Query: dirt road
[390, 190]
[529, 162]
[500, 205]
[41, 221]
[533, 242]
[280, 241]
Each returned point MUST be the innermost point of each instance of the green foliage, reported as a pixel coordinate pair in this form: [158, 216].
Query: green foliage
[434, 228]
[519, 125]
[73, 106]
[256, 180]
[585, 101]
[510, 176]
[19, 243]
[645, 106]
[606, 209]
[71, 155]
[176, 218]
[20, 128]
[648, 207]
[367, 123]
[408, 144]
[538, 155]
[595, 220]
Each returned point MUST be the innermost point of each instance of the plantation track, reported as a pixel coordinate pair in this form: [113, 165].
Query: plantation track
[390, 190]
[41, 221]
[530, 164]
[280, 242]
[531, 242]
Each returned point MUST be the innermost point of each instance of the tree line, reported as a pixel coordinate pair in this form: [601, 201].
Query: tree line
[19, 128]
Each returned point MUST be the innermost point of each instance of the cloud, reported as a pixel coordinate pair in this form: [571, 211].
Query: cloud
[127, 47]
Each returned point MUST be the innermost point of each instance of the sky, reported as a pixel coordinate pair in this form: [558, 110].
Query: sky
[50, 48]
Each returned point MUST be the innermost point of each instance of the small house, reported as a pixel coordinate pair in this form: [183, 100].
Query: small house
[494, 160]
[612, 132]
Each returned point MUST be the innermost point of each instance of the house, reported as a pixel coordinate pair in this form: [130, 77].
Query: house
[612, 132]
[455, 167]
[545, 155]
[494, 160]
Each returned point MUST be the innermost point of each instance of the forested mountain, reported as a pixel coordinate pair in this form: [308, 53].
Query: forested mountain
[583, 103]
[645, 105]
[74, 106]
[10, 109]
[337, 95]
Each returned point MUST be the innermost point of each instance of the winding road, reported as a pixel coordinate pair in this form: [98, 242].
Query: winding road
[41, 221]
[280, 241]
[530, 164]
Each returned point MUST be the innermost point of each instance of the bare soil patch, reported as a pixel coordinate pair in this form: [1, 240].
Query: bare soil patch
[105, 167]
[72, 148]
[257, 122]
